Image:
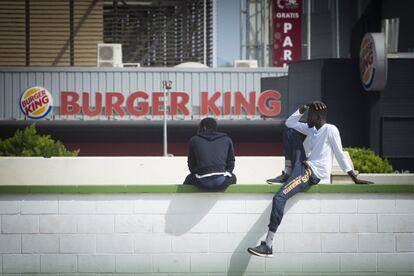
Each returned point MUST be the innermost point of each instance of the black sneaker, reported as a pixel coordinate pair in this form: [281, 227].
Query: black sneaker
[279, 179]
[261, 250]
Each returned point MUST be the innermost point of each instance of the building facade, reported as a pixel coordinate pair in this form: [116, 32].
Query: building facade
[66, 32]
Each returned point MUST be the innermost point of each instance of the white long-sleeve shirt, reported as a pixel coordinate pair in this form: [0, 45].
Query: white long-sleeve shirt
[323, 143]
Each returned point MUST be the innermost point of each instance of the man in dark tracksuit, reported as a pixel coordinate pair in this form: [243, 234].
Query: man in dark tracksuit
[210, 158]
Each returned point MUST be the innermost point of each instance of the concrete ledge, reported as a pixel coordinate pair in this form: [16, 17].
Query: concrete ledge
[149, 170]
[386, 178]
[123, 170]
[246, 188]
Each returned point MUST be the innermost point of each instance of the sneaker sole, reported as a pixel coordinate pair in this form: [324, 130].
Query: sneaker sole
[269, 182]
[259, 254]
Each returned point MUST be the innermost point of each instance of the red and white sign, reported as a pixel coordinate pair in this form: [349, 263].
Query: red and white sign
[141, 103]
[287, 31]
[36, 102]
[373, 62]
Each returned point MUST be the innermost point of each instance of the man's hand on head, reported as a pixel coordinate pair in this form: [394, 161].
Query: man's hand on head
[318, 105]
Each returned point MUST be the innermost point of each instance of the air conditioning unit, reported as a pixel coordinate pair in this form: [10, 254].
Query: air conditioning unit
[109, 55]
[245, 63]
[131, 65]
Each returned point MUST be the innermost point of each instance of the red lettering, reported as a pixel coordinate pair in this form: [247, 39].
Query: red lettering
[241, 102]
[179, 105]
[207, 103]
[38, 103]
[137, 103]
[69, 99]
[227, 103]
[269, 104]
[86, 109]
[143, 106]
[114, 106]
[28, 109]
[39, 94]
[157, 103]
[45, 100]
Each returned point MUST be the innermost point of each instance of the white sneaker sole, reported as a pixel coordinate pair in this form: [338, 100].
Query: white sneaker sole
[259, 254]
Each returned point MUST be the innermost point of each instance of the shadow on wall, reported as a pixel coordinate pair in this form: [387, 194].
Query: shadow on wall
[186, 212]
[217, 213]
[240, 259]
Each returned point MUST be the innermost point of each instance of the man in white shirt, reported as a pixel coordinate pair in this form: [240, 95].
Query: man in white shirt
[302, 171]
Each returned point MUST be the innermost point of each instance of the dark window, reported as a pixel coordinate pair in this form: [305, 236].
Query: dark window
[160, 33]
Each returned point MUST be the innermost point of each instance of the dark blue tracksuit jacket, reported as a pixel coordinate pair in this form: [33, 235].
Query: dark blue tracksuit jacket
[210, 151]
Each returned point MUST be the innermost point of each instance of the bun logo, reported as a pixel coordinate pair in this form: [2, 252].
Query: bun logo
[289, 4]
[36, 102]
[367, 66]
[373, 62]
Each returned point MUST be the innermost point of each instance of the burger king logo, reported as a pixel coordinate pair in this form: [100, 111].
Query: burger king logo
[36, 102]
[367, 66]
[373, 62]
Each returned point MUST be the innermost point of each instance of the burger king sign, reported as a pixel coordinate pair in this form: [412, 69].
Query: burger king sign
[373, 62]
[36, 102]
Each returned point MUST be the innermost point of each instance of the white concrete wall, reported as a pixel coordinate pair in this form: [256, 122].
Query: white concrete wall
[205, 234]
[389, 178]
[147, 170]
[123, 170]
